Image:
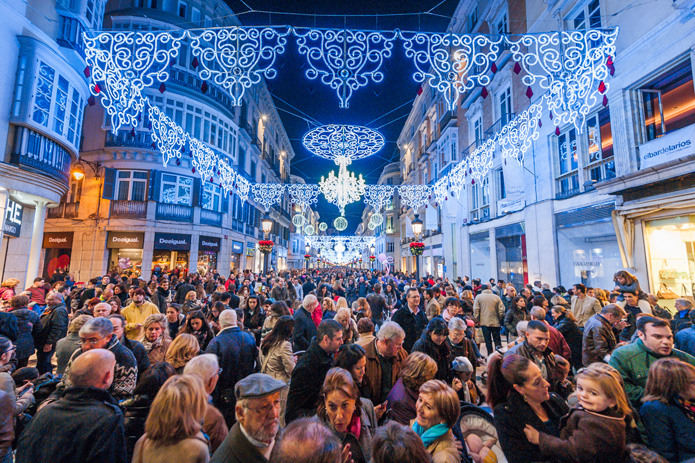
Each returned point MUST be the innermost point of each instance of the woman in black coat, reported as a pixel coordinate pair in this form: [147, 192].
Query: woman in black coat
[433, 343]
[566, 324]
[520, 396]
[28, 327]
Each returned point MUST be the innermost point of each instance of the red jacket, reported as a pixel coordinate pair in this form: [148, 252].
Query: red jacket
[558, 344]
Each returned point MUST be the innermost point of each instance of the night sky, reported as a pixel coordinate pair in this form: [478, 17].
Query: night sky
[317, 104]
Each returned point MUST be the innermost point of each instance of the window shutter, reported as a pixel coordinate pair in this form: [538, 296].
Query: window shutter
[155, 182]
[225, 202]
[197, 196]
[109, 189]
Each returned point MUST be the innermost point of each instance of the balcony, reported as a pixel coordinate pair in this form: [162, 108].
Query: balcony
[64, 210]
[55, 212]
[469, 150]
[128, 209]
[498, 124]
[213, 218]
[174, 212]
[189, 79]
[124, 138]
[70, 35]
[38, 153]
[448, 120]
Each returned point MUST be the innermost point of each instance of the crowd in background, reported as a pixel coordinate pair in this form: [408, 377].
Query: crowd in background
[343, 365]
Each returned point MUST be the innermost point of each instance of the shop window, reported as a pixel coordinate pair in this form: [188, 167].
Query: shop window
[668, 102]
[212, 197]
[671, 246]
[176, 189]
[601, 164]
[132, 185]
[480, 200]
[567, 180]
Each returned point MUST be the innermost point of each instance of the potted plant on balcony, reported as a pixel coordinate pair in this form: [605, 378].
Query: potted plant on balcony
[372, 258]
[307, 256]
[416, 248]
[265, 246]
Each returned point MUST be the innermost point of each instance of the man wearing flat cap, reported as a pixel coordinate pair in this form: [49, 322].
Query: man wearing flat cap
[252, 437]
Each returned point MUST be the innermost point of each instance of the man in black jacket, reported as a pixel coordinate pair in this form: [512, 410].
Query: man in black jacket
[182, 290]
[54, 327]
[304, 328]
[84, 425]
[310, 371]
[136, 347]
[411, 319]
[377, 303]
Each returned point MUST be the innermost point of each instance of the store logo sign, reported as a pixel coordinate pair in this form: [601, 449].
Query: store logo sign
[58, 240]
[669, 147]
[13, 218]
[172, 241]
[125, 240]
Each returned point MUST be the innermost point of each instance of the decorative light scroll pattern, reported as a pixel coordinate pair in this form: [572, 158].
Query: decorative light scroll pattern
[227, 177]
[457, 177]
[204, 159]
[237, 58]
[415, 196]
[169, 136]
[481, 159]
[376, 219]
[516, 137]
[298, 220]
[124, 63]
[570, 65]
[451, 63]
[267, 194]
[323, 226]
[309, 230]
[378, 196]
[352, 244]
[441, 190]
[345, 60]
[243, 187]
[343, 189]
[303, 195]
[343, 143]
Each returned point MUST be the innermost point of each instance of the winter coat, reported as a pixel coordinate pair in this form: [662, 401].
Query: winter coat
[412, 324]
[54, 326]
[432, 309]
[488, 309]
[443, 450]
[373, 371]
[139, 352]
[669, 431]
[8, 386]
[84, 425]
[279, 362]
[463, 349]
[598, 340]
[514, 316]
[28, 327]
[685, 340]
[401, 403]
[236, 448]
[6, 424]
[157, 350]
[439, 354]
[194, 449]
[304, 330]
[558, 344]
[513, 415]
[161, 297]
[361, 448]
[586, 437]
[633, 361]
[306, 382]
[6, 294]
[189, 306]
[8, 325]
[181, 292]
[279, 293]
[135, 413]
[573, 335]
[584, 309]
[526, 350]
[377, 303]
[64, 349]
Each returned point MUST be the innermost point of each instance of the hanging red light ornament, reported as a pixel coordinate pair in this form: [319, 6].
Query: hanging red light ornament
[602, 87]
[529, 92]
[97, 89]
[87, 72]
[484, 93]
[557, 131]
[493, 68]
[204, 87]
[517, 68]
[162, 88]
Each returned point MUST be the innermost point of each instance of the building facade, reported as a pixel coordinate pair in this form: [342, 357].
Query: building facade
[129, 213]
[44, 92]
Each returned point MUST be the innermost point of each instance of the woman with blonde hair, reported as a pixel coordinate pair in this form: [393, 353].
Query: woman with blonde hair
[418, 368]
[7, 290]
[328, 307]
[438, 408]
[173, 430]
[156, 338]
[341, 303]
[350, 333]
[181, 350]
[467, 302]
[668, 412]
[342, 411]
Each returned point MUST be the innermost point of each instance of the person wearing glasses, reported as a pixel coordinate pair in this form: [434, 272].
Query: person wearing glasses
[22, 397]
[252, 438]
[97, 333]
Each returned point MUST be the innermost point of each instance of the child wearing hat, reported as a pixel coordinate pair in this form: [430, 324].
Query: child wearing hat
[463, 384]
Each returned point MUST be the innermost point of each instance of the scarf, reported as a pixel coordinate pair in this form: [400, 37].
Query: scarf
[355, 426]
[430, 435]
[151, 345]
[686, 406]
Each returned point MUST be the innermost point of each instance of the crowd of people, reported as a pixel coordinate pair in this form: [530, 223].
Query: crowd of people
[342, 366]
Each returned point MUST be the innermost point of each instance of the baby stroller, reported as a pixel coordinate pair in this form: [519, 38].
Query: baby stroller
[476, 428]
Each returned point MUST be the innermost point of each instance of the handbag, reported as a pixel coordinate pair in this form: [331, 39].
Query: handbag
[665, 292]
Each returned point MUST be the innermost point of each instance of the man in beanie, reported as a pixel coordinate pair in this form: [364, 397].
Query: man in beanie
[252, 437]
[463, 384]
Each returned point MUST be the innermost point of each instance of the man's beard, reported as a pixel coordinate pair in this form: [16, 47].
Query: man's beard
[266, 433]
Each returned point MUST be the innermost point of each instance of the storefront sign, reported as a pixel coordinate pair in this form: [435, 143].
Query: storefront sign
[208, 243]
[13, 218]
[585, 263]
[670, 147]
[510, 205]
[173, 242]
[57, 240]
[237, 247]
[124, 240]
[250, 249]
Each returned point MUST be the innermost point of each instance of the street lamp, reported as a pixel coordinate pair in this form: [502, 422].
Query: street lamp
[417, 231]
[307, 248]
[318, 256]
[77, 170]
[371, 251]
[266, 226]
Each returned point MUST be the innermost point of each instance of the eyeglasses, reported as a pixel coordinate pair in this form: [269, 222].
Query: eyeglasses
[89, 342]
[219, 372]
[266, 409]
[13, 348]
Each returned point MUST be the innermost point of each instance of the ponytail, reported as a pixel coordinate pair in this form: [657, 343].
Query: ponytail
[502, 374]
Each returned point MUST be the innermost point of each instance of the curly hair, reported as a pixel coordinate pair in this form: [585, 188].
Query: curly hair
[418, 368]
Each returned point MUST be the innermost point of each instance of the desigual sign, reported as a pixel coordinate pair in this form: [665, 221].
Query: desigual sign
[172, 241]
[208, 243]
[57, 240]
[125, 240]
